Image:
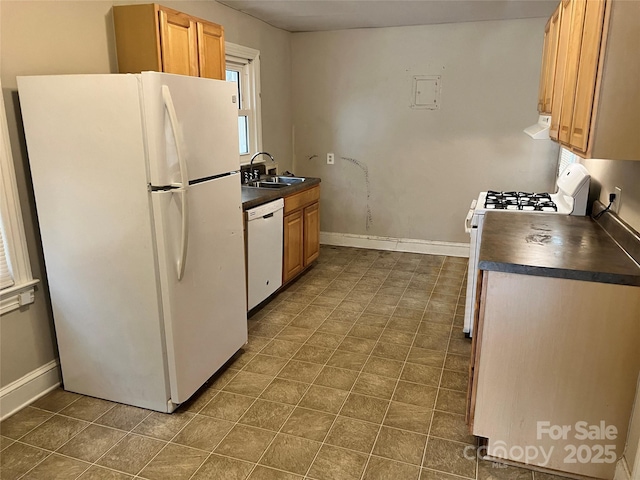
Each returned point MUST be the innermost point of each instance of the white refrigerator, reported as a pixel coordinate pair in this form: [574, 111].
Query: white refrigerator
[138, 199]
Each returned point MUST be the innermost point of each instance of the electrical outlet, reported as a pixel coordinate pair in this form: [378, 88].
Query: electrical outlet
[330, 159]
[616, 203]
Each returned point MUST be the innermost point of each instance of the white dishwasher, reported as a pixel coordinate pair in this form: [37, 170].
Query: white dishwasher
[264, 251]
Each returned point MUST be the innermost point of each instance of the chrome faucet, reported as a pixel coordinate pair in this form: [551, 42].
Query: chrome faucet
[261, 153]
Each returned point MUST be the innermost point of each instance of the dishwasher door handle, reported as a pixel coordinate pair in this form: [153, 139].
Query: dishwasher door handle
[268, 215]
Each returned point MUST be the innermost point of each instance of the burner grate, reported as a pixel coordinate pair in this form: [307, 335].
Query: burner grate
[526, 201]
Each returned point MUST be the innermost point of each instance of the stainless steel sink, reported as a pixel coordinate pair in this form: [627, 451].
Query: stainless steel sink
[277, 181]
[262, 184]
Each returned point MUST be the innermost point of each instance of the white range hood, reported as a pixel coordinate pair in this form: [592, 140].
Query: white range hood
[540, 131]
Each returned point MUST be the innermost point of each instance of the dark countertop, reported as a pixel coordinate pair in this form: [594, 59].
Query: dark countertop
[252, 197]
[561, 246]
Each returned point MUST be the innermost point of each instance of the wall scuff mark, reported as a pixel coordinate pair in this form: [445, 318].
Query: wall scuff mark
[312, 157]
[365, 170]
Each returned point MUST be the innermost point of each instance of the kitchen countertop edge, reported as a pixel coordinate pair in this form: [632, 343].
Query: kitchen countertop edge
[569, 247]
[253, 197]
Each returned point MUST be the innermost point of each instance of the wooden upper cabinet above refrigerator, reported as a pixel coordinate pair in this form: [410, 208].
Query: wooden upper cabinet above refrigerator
[549, 56]
[595, 110]
[157, 38]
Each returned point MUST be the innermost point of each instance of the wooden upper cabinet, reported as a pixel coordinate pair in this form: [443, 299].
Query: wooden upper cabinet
[561, 60]
[211, 51]
[549, 56]
[595, 110]
[157, 38]
[178, 43]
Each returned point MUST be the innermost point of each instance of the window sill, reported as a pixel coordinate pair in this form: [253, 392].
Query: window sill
[17, 296]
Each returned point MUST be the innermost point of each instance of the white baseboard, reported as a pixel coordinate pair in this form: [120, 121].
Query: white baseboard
[29, 388]
[395, 244]
[622, 470]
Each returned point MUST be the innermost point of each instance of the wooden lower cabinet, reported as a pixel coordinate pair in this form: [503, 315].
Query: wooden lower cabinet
[301, 232]
[550, 354]
[293, 255]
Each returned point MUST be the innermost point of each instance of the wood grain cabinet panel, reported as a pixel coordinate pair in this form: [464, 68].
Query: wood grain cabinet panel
[595, 102]
[293, 255]
[150, 37]
[301, 232]
[549, 57]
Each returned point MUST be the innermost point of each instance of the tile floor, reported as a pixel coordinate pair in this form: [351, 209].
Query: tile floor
[358, 371]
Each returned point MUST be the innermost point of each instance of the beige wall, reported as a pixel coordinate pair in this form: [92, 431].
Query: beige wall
[77, 37]
[351, 96]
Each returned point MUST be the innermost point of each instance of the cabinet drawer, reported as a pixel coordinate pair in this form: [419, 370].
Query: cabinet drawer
[299, 200]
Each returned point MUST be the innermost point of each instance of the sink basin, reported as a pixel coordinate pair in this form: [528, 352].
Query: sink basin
[278, 181]
[262, 184]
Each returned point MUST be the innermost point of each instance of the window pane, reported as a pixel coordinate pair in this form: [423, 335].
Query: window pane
[243, 131]
[233, 76]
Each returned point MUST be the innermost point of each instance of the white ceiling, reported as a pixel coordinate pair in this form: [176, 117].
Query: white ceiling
[318, 15]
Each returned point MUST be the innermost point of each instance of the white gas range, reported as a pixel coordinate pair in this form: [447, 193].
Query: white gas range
[570, 199]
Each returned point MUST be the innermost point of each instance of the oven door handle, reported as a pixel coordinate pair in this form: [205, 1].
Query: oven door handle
[467, 221]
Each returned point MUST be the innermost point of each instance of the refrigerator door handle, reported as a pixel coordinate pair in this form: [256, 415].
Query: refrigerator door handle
[184, 181]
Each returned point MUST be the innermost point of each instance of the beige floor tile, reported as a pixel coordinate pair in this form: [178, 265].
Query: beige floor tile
[300, 371]
[57, 467]
[335, 327]
[124, 417]
[227, 406]
[353, 434]
[451, 401]
[413, 303]
[5, 442]
[403, 324]
[392, 351]
[309, 424]
[460, 346]
[163, 426]
[449, 457]
[219, 467]
[203, 432]
[365, 331]
[451, 426]
[421, 374]
[396, 337]
[281, 348]
[432, 358]
[334, 463]
[267, 415]
[373, 320]
[547, 476]
[291, 454]
[56, 400]
[265, 364]
[498, 471]
[54, 433]
[400, 445]
[325, 399]
[375, 385]
[266, 473]
[432, 341]
[23, 422]
[325, 340]
[313, 354]
[347, 360]
[295, 334]
[174, 462]
[87, 408]
[357, 345]
[18, 458]
[379, 309]
[366, 408]
[455, 380]
[428, 474]
[90, 444]
[198, 400]
[324, 301]
[310, 323]
[346, 316]
[266, 330]
[385, 469]
[415, 394]
[247, 383]
[100, 473]
[285, 391]
[131, 454]
[245, 443]
[408, 417]
[383, 366]
[336, 378]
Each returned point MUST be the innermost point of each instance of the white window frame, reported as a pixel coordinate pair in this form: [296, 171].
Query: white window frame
[22, 291]
[247, 61]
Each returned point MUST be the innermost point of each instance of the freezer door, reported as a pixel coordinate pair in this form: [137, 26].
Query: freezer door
[204, 130]
[204, 312]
